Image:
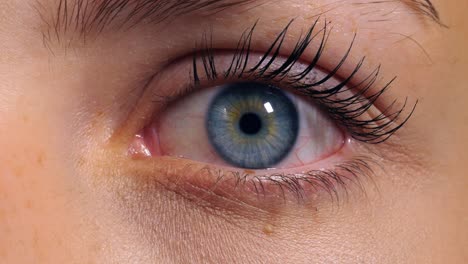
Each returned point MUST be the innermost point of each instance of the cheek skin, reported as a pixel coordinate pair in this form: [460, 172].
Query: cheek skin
[48, 211]
[34, 194]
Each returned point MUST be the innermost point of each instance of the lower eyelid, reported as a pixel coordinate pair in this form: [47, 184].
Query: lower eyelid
[328, 179]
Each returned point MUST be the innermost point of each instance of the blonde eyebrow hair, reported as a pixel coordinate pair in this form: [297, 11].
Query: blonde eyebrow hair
[83, 18]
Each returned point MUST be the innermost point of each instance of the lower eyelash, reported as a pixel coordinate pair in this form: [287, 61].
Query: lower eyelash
[301, 187]
[348, 111]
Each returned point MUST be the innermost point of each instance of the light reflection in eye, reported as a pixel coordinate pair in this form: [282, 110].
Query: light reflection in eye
[268, 107]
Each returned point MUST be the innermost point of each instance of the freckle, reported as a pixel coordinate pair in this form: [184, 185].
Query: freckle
[28, 204]
[268, 229]
[95, 248]
[40, 159]
[59, 241]
[81, 162]
[25, 118]
[18, 170]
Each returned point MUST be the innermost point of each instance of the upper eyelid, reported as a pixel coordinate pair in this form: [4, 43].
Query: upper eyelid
[84, 20]
[348, 110]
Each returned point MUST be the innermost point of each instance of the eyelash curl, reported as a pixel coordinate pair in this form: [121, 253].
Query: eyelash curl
[346, 110]
[340, 102]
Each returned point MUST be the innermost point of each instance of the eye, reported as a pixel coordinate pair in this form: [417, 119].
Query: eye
[245, 125]
[270, 121]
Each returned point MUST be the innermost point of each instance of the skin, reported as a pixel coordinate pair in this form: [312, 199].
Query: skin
[69, 193]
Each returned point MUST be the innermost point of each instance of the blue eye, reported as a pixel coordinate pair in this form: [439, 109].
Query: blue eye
[242, 125]
[252, 125]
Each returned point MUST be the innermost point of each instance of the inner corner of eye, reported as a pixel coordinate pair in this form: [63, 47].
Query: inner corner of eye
[144, 144]
[244, 125]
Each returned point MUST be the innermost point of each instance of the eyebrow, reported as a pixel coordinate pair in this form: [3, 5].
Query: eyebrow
[427, 8]
[422, 7]
[84, 17]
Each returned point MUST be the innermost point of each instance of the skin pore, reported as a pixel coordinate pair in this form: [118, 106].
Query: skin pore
[77, 86]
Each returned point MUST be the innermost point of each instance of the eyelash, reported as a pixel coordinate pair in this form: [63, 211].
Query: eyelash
[299, 185]
[347, 111]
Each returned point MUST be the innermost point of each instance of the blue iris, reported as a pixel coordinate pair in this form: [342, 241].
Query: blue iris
[252, 125]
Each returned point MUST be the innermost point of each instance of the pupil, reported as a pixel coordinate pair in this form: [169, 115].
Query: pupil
[250, 123]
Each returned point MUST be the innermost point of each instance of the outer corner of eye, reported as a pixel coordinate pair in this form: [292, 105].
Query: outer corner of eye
[244, 125]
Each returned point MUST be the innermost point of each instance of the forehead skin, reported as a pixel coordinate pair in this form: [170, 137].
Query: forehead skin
[58, 203]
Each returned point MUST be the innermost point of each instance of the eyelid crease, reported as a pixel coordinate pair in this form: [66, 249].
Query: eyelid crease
[348, 111]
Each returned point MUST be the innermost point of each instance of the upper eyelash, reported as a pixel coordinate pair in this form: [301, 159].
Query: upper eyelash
[347, 111]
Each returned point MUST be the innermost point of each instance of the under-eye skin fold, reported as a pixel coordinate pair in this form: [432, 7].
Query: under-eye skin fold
[270, 124]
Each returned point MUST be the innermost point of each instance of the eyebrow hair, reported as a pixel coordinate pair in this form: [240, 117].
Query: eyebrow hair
[423, 7]
[427, 8]
[85, 17]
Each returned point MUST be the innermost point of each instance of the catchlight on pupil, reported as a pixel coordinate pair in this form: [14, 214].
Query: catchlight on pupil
[252, 125]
